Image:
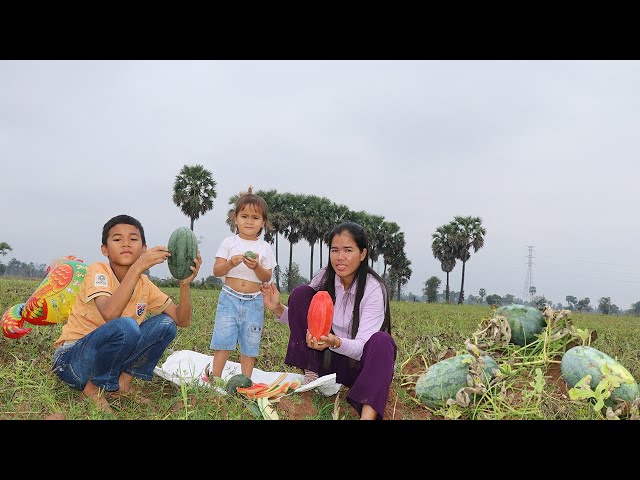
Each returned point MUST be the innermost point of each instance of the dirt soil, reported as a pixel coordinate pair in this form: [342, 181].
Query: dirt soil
[301, 407]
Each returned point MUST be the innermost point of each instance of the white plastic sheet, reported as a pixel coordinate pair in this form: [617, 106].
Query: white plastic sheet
[187, 366]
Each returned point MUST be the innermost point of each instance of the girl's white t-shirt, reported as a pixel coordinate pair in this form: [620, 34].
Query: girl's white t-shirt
[234, 245]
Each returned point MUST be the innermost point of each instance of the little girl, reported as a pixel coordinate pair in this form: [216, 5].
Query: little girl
[244, 261]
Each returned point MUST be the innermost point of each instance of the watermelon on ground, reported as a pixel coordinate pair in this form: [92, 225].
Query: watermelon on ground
[525, 322]
[580, 361]
[443, 379]
[236, 381]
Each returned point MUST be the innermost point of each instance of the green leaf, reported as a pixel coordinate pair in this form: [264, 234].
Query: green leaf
[539, 383]
[582, 389]
[580, 394]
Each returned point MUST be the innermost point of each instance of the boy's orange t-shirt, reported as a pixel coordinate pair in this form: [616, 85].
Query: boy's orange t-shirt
[100, 280]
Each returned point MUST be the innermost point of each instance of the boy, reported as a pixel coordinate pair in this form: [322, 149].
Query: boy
[107, 339]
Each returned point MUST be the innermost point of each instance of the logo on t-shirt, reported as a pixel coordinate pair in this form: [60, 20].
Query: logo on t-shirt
[101, 280]
[140, 308]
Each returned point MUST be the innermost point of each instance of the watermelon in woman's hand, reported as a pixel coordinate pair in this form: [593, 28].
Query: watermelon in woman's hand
[320, 314]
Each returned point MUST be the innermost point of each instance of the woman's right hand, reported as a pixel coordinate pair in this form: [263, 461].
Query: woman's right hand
[270, 295]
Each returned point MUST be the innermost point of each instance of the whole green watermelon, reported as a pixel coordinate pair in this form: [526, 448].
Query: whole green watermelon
[525, 322]
[183, 247]
[236, 381]
[443, 379]
[577, 362]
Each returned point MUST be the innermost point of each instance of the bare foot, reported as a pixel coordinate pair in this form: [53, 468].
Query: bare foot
[133, 393]
[96, 395]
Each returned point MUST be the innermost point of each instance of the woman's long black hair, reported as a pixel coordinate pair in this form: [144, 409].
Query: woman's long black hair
[328, 280]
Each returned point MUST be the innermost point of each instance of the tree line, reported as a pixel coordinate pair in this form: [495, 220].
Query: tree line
[604, 306]
[301, 217]
[16, 268]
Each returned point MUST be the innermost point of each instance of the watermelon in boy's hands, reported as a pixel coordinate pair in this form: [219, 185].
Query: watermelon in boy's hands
[183, 247]
[320, 315]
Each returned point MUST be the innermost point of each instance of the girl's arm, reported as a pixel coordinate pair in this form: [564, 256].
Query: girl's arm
[271, 297]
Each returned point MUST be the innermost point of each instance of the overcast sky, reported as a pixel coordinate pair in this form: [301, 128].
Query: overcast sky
[544, 152]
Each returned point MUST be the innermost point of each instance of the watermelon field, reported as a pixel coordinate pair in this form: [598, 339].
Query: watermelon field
[527, 382]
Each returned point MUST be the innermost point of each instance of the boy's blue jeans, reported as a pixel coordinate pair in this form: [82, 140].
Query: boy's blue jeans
[120, 345]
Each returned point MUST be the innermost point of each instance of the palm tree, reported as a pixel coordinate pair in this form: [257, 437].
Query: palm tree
[5, 248]
[311, 226]
[376, 237]
[400, 273]
[193, 191]
[230, 221]
[324, 222]
[393, 247]
[276, 218]
[469, 233]
[292, 225]
[444, 251]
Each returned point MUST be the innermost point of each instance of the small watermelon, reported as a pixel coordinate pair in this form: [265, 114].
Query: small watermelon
[250, 254]
[443, 379]
[183, 247]
[236, 381]
[525, 322]
[580, 361]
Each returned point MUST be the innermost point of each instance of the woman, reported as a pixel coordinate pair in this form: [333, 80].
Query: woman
[359, 349]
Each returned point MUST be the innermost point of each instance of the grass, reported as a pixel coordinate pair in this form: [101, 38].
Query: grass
[423, 332]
